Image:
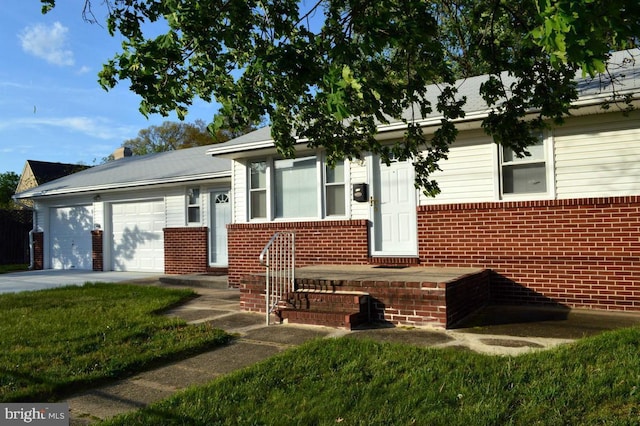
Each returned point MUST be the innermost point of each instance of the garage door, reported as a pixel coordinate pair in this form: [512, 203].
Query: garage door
[70, 242]
[138, 239]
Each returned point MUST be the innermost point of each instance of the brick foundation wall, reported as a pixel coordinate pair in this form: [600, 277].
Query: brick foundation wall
[578, 253]
[186, 250]
[96, 250]
[38, 250]
[322, 242]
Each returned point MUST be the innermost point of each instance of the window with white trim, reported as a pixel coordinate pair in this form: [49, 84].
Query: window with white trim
[193, 205]
[258, 190]
[526, 175]
[334, 190]
[301, 188]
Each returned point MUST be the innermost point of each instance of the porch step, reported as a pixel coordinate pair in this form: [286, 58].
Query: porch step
[327, 308]
[328, 319]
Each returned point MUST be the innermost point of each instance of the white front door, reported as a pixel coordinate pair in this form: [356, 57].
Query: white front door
[220, 217]
[394, 209]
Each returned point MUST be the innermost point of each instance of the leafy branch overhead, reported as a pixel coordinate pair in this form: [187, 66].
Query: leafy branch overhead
[331, 71]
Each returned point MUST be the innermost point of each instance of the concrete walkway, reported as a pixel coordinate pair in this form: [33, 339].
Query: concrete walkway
[256, 342]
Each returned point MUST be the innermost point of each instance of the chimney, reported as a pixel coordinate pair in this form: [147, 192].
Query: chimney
[123, 151]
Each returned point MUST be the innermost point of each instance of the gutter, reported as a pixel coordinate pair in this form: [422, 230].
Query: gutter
[123, 185]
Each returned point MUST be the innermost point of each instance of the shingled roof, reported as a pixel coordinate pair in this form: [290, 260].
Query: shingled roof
[183, 165]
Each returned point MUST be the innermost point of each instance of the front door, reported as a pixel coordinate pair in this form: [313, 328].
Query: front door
[393, 205]
[220, 217]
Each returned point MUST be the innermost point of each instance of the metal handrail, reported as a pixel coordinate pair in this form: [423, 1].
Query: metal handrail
[278, 257]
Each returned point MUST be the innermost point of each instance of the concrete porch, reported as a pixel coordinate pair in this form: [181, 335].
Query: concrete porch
[352, 295]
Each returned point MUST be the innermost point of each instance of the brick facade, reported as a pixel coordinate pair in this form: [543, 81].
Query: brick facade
[579, 253]
[186, 250]
[97, 256]
[38, 250]
[320, 242]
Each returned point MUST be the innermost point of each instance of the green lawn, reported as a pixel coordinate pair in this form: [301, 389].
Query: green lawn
[351, 382]
[63, 339]
[4, 269]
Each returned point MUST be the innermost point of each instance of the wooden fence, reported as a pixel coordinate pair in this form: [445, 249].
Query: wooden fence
[14, 236]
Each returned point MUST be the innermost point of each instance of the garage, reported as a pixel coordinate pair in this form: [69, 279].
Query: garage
[70, 242]
[138, 238]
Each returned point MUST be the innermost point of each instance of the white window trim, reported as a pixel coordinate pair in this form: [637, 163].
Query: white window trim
[321, 193]
[548, 142]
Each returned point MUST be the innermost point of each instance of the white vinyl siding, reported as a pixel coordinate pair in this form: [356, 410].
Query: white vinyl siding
[598, 160]
[239, 187]
[358, 174]
[175, 211]
[468, 173]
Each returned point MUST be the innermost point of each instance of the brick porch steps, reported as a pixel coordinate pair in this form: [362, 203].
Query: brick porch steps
[414, 296]
[326, 307]
[325, 318]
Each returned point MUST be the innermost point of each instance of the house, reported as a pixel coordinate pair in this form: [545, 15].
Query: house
[561, 226]
[36, 173]
[162, 213]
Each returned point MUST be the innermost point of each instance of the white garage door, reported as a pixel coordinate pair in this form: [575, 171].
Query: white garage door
[70, 242]
[138, 239]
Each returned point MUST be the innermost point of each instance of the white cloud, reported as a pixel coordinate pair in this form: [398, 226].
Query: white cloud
[98, 128]
[48, 43]
[84, 69]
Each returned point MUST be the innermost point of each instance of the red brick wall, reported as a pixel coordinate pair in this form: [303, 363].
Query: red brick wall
[38, 250]
[319, 242]
[579, 253]
[186, 250]
[96, 246]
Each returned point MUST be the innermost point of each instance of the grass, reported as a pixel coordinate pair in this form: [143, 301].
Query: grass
[352, 382]
[5, 269]
[63, 339]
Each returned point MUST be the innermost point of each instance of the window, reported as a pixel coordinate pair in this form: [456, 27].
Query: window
[334, 190]
[524, 175]
[193, 205]
[296, 188]
[258, 190]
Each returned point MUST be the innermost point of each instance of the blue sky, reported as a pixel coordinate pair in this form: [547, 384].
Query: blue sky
[51, 106]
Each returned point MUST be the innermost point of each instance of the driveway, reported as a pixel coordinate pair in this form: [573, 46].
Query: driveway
[50, 278]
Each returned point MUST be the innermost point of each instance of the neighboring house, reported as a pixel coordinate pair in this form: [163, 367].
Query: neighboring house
[38, 172]
[561, 226]
[164, 213]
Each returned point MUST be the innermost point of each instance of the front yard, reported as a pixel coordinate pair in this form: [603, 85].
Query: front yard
[66, 339]
[595, 381]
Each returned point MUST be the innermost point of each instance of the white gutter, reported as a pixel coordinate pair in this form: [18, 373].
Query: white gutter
[124, 185]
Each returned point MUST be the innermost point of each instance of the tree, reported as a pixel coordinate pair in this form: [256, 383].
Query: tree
[171, 135]
[330, 71]
[8, 183]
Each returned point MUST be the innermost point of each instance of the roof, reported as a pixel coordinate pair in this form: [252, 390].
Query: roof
[623, 76]
[183, 165]
[45, 171]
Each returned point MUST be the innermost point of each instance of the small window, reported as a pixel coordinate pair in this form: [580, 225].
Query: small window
[526, 175]
[258, 190]
[334, 187]
[193, 205]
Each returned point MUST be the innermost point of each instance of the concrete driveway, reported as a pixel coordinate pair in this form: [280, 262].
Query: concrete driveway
[50, 278]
